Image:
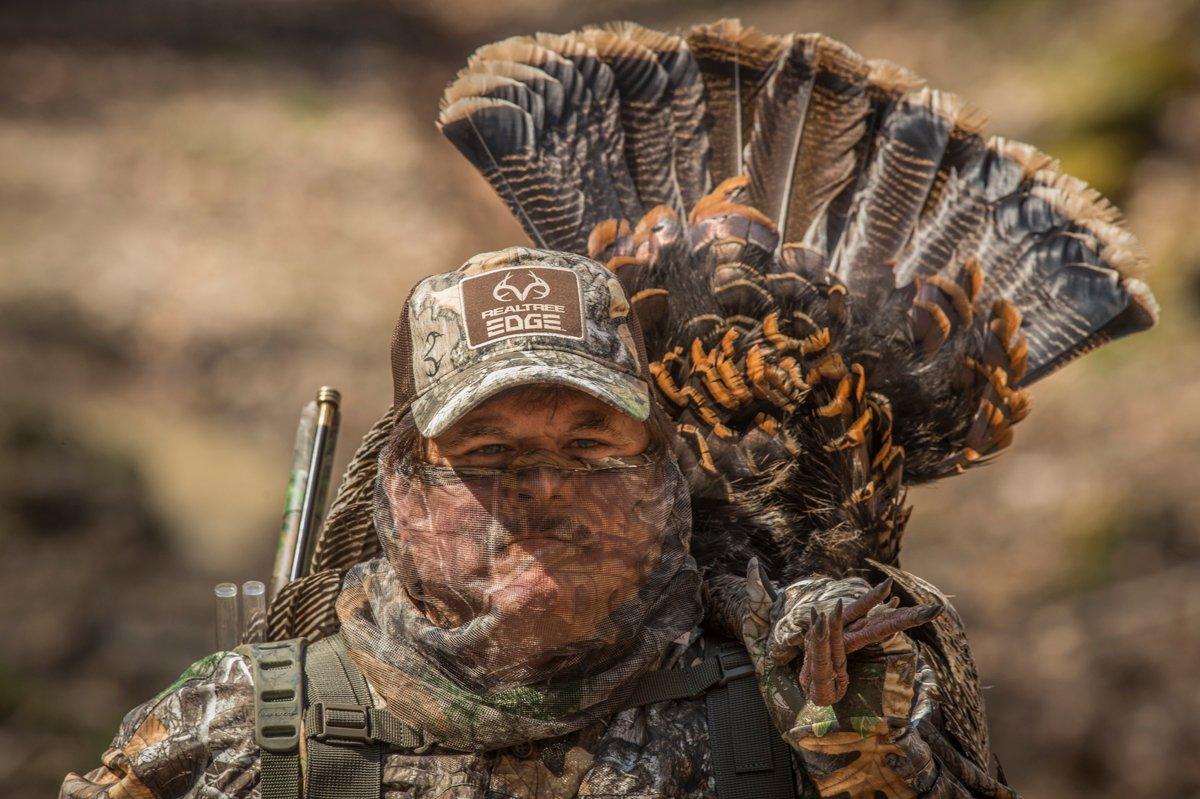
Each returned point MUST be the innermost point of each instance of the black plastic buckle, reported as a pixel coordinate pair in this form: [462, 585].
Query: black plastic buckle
[357, 732]
[734, 664]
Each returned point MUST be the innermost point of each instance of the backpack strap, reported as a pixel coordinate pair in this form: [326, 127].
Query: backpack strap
[344, 733]
[343, 760]
[277, 670]
[720, 667]
[750, 758]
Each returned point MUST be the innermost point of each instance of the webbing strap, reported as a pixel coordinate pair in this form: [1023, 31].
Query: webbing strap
[370, 725]
[279, 775]
[750, 758]
[277, 702]
[714, 671]
[343, 763]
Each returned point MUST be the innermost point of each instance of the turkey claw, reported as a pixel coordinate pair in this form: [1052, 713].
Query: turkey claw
[833, 633]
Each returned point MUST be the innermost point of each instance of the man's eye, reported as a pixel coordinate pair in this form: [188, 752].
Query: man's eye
[586, 443]
[489, 449]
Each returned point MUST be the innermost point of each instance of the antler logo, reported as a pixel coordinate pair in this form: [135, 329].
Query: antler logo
[505, 291]
[522, 301]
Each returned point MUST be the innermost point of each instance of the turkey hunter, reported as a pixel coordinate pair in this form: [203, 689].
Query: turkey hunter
[536, 592]
[810, 282]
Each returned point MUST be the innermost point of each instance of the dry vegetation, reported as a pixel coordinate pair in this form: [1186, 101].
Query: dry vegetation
[209, 209]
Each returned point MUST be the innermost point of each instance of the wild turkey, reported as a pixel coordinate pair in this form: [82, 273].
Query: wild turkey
[845, 288]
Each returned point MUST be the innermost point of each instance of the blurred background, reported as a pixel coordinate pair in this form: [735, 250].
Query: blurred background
[208, 208]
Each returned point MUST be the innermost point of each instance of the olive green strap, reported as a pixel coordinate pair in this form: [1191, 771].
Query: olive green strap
[343, 761]
[354, 722]
[276, 670]
[279, 775]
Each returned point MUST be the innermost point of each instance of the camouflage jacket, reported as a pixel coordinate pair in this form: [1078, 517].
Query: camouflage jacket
[196, 739]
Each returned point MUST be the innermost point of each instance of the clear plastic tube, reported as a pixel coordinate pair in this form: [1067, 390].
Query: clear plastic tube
[254, 612]
[227, 616]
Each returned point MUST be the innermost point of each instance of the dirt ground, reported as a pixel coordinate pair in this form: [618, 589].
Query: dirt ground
[208, 209]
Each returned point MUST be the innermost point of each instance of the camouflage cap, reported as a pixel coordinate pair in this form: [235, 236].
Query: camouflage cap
[515, 317]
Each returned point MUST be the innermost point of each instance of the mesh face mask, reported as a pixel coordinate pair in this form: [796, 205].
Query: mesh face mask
[525, 603]
[520, 603]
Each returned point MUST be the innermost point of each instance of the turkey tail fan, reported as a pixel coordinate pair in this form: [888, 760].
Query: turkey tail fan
[859, 302]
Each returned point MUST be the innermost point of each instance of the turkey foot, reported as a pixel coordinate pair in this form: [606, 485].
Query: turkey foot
[826, 620]
[835, 633]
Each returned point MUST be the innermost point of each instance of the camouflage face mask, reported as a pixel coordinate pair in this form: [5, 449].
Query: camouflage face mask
[520, 603]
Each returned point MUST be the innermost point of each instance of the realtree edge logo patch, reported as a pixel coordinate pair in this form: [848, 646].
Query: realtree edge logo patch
[525, 301]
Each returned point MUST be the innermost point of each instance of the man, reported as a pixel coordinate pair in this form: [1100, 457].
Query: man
[536, 569]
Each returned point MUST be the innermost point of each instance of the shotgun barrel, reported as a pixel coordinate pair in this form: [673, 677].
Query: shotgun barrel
[320, 466]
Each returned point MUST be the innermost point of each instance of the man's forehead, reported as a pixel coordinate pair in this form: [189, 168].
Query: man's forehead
[546, 401]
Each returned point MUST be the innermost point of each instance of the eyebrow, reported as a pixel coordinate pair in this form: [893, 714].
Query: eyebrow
[590, 420]
[476, 430]
[482, 428]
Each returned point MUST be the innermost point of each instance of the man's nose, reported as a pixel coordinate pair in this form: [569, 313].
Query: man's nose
[542, 484]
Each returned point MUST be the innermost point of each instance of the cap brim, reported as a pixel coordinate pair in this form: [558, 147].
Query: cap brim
[446, 402]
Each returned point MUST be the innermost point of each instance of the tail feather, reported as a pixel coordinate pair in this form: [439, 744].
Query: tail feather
[544, 105]
[642, 85]
[685, 98]
[964, 148]
[734, 63]
[950, 226]
[550, 161]
[909, 147]
[606, 141]
[497, 137]
[1052, 247]
[886, 84]
[810, 117]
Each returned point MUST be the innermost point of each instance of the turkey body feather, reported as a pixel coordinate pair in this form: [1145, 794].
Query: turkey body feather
[845, 288]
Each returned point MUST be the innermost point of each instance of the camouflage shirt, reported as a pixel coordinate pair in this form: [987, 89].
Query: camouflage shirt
[196, 739]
